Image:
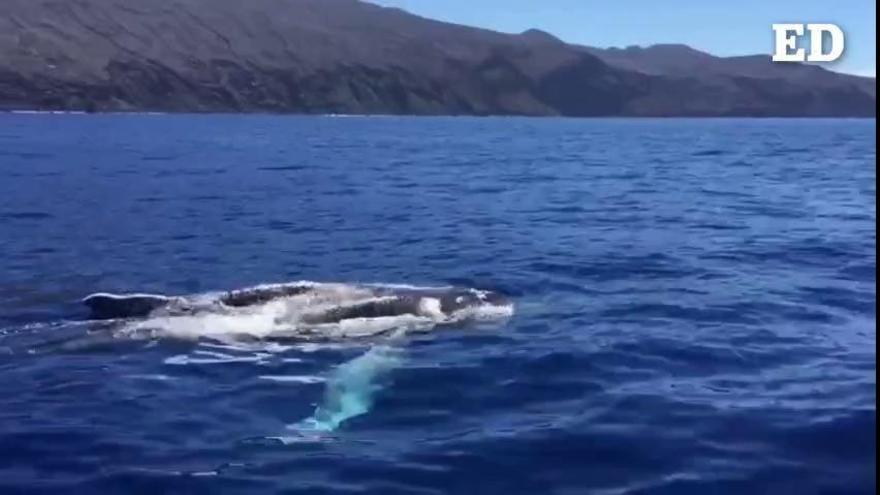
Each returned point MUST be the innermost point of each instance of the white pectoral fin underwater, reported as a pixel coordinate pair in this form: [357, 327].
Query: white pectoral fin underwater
[351, 389]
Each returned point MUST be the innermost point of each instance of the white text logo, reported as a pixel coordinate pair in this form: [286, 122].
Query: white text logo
[787, 36]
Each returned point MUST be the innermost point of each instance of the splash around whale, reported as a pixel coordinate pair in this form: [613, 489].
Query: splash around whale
[297, 310]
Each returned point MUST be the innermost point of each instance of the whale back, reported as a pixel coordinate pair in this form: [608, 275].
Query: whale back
[308, 304]
[258, 295]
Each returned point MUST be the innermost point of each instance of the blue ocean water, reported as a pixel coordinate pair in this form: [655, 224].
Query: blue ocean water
[695, 305]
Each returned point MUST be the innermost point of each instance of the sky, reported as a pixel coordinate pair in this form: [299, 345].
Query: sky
[717, 26]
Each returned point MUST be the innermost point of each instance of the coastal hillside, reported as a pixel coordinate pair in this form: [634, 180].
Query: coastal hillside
[348, 56]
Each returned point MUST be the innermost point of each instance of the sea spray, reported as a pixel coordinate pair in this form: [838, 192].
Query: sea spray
[352, 388]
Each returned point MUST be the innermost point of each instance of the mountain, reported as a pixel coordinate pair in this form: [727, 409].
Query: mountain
[684, 61]
[348, 56]
[748, 85]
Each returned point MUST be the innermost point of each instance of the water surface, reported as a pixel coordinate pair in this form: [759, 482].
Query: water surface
[695, 304]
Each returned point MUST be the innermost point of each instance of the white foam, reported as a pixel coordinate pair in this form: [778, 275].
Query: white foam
[47, 112]
[185, 359]
[152, 377]
[221, 327]
[486, 312]
[409, 287]
[312, 347]
[368, 327]
[430, 307]
[304, 379]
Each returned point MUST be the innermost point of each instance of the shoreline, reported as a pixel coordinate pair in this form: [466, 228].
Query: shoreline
[442, 116]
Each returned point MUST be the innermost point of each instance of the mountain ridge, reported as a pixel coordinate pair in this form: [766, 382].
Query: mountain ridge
[348, 56]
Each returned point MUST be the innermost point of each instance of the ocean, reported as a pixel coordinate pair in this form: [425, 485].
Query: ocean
[693, 305]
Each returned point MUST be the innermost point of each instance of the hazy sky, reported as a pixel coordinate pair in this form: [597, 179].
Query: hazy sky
[720, 27]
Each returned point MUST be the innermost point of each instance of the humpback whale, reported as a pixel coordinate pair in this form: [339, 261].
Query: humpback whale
[306, 308]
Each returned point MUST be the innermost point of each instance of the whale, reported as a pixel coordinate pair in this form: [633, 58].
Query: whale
[308, 304]
[380, 314]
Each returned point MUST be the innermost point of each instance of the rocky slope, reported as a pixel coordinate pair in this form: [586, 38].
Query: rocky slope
[347, 56]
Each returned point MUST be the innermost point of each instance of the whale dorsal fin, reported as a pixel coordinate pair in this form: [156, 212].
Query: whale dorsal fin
[104, 306]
